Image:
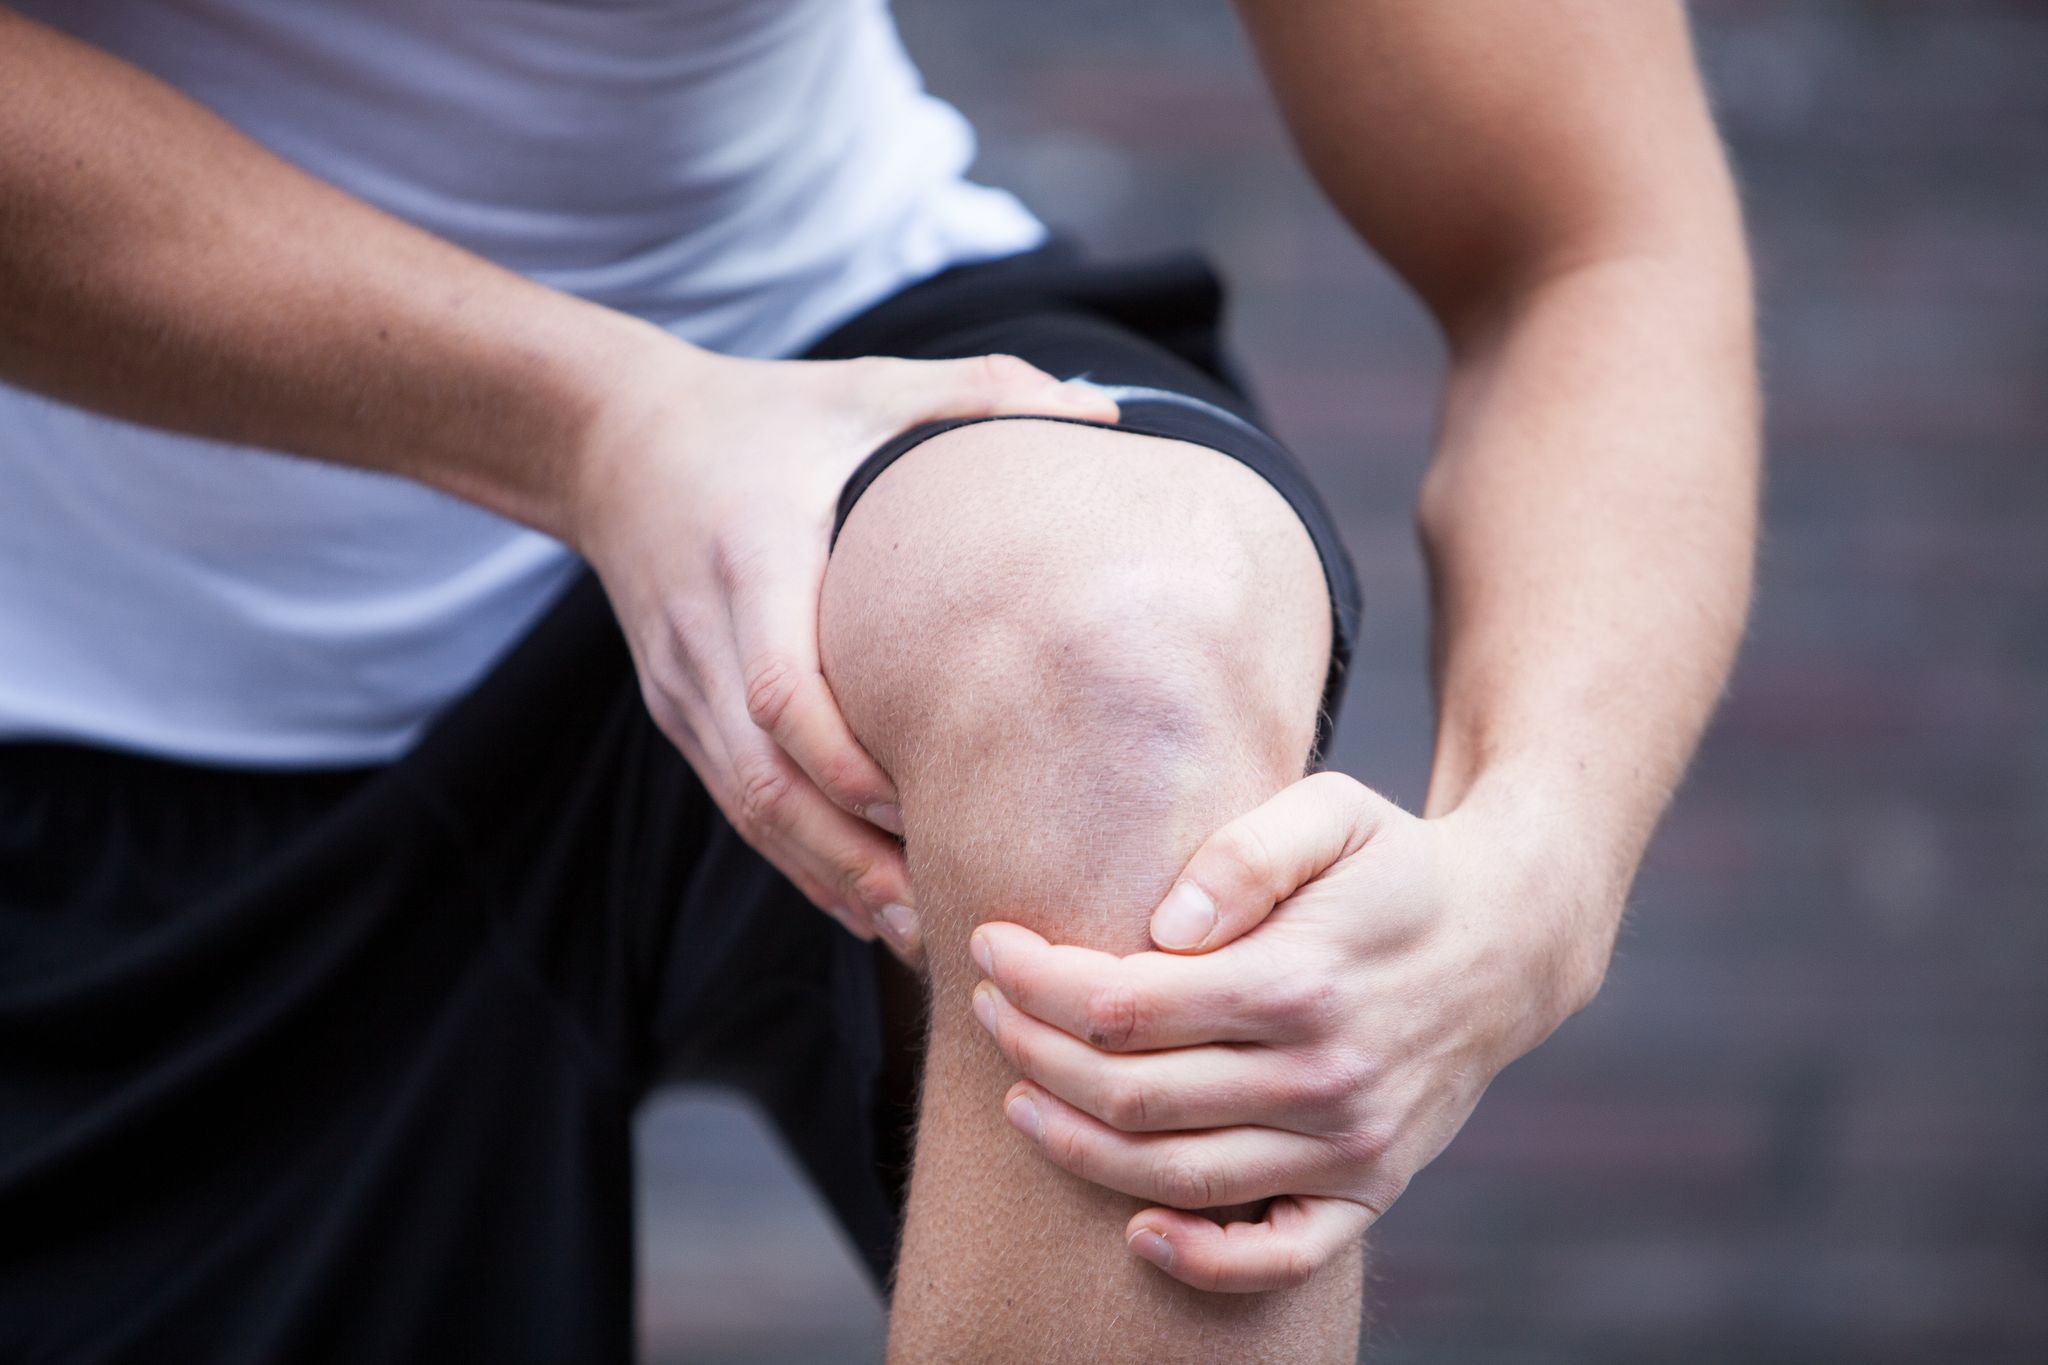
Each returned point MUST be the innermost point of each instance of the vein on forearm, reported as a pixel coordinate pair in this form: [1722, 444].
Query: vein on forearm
[1589, 523]
[158, 266]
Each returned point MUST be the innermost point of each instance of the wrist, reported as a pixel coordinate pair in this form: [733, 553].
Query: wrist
[1556, 871]
[629, 390]
[523, 394]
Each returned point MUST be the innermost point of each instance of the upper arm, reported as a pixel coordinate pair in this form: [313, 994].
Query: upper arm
[1482, 145]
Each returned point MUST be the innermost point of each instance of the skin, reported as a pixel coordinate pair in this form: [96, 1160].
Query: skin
[295, 317]
[1343, 979]
[1547, 179]
[1078, 652]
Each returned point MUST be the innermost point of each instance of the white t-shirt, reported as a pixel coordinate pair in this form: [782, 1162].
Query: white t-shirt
[745, 173]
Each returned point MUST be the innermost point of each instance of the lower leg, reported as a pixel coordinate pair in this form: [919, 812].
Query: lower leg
[1077, 652]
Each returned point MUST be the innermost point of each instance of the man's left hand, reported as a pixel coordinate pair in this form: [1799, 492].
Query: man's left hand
[1397, 965]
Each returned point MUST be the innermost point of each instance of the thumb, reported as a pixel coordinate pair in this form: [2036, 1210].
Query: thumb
[1261, 858]
[991, 386]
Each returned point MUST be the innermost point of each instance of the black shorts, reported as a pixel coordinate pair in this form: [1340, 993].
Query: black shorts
[341, 1065]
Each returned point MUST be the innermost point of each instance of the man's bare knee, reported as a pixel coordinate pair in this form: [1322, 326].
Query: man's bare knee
[1099, 563]
[1131, 631]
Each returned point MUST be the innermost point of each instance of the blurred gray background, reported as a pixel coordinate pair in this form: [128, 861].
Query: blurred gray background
[1807, 1120]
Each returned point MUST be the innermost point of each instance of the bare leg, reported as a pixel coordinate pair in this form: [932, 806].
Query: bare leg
[1078, 652]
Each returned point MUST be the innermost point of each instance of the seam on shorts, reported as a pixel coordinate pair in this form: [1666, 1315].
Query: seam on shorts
[581, 1036]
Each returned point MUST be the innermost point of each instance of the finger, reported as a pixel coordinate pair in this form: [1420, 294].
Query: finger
[897, 923]
[1261, 858]
[987, 386]
[1197, 1170]
[886, 924]
[797, 872]
[704, 748]
[774, 610]
[1298, 1236]
[817, 892]
[776, 809]
[1148, 1000]
[1155, 1092]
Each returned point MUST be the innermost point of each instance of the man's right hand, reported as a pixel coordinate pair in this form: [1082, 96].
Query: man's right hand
[701, 488]
[704, 498]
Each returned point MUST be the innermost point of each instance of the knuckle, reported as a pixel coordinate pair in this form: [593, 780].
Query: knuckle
[1365, 1143]
[1132, 1107]
[865, 882]
[1223, 1273]
[1309, 1004]
[762, 797]
[656, 694]
[734, 565]
[1334, 1083]
[771, 684]
[1022, 1052]
[840, 776]
[1296, 1266]
[687, 619]
[1184, 1181]
[1002, 371]
[1245, 857]
[1110, 1019]
[1066, 1147]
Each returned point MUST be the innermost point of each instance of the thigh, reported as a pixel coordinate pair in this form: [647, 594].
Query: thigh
[272, 1084]
[357, 1053]
[675, 949]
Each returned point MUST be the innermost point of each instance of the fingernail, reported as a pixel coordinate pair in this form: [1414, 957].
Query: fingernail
[977, 948]
[1024, 1114]
[985, 1006]
[899, 925]
[888, 815]
[1152, 1247]
[1187, 917]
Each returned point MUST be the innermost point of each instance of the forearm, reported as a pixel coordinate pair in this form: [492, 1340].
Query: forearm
[158, 266]
[1590, 525]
